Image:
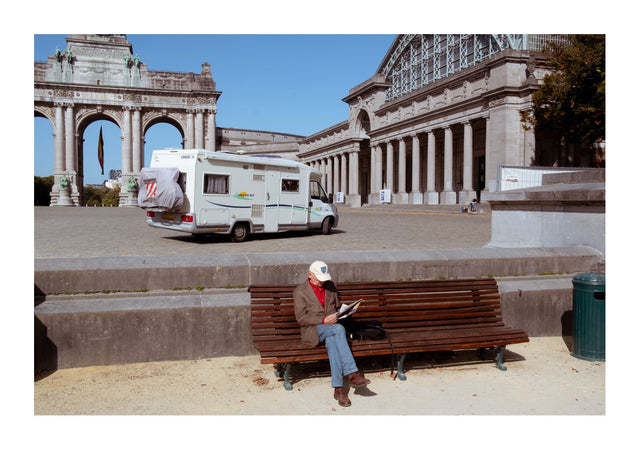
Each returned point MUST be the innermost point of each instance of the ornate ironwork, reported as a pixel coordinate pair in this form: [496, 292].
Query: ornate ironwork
[419, 59]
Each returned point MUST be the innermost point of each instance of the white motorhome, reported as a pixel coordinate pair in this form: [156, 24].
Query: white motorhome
[201, 192]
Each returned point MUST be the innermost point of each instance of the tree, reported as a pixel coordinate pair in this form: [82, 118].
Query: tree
[112, 198]
[571, 101]
[42, 190]
[102, 196]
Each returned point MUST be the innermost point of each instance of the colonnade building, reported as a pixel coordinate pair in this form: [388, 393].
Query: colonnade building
[434, 123]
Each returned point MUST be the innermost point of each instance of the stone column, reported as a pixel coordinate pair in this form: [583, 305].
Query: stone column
[323, 169]
[417, 198]
[389, 180]
[329, 182]
[136, 141]
[343, 174]
[189, 144]
[126, 196]
[126, 144]
[374, 194]
[70, 141]
[211, 127]
[59, 142]
[488, 160]
[432, 194]
[449, 195]
[336, 174]
[372, 168]
[71, 154]
[199, 130]
[467, 194]
[354, 199]
[402, 197]
[378, 169]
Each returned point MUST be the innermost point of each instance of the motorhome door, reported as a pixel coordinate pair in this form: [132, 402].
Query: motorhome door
[272, 200]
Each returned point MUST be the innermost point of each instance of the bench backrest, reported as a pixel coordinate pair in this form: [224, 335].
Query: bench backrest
[429, 304]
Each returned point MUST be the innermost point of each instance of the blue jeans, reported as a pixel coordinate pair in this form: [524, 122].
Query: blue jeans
[340, 358]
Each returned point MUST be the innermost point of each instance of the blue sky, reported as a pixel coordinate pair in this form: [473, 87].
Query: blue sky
[285, 83]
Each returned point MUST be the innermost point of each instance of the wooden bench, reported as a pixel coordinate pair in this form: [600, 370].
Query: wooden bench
[418, 316]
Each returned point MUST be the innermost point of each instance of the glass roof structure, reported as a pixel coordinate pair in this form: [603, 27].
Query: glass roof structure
[416, 60]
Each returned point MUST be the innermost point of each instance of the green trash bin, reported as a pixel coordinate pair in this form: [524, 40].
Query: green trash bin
[589, 316]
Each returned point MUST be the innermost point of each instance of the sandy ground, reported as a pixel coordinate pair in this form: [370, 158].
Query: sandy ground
[542, 379]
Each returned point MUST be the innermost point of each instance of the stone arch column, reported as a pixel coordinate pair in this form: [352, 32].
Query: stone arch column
[211, 129]
[59, 141]
[136, 145]
[189, 135]
[199, 129]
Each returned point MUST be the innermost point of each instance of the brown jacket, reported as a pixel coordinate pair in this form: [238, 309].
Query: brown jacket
[309, 312]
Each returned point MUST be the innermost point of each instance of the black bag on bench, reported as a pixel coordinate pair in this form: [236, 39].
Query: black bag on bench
[364, 330]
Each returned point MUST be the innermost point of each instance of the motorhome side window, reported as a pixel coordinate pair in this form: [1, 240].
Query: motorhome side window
[290, 185]
[216, 184]
[317, 191]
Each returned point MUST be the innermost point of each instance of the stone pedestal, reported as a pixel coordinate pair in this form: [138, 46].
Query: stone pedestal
[374, 199]
[466, 197]
[401, 198]
[353, 200]
[63, 198]
[448, 198]
[433, 198]
[416, 198]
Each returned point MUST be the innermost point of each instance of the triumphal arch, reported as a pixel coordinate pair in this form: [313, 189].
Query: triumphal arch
[97, 77]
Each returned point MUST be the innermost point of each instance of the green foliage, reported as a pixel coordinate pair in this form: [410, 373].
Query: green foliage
[112, 198]
[571, 101]
[42, 190]
[102, 196]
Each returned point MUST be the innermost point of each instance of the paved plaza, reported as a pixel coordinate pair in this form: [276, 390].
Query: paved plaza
[97, 232]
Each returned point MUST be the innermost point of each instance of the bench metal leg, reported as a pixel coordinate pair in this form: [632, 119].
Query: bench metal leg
[499, 355]
[400, 373]
[284, 374]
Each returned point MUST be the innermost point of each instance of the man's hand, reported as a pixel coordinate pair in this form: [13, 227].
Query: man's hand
[333, 318]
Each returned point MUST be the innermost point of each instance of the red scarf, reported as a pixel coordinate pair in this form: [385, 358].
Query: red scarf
[319, 291]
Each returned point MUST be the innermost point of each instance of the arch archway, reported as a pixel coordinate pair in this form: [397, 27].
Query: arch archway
[98, 78]
[161, 134]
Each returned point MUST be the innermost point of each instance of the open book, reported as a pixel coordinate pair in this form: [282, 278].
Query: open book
[347, 310]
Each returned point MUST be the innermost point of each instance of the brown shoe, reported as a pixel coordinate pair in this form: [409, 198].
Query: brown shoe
[340, 395]
[356, 380]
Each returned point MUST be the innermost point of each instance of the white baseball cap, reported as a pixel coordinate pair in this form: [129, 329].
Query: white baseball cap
[320, 270]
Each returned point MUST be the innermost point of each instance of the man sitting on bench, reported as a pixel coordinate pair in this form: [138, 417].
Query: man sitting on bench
[316, 305]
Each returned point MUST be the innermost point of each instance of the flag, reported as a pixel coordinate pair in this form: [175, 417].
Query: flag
[101, 151]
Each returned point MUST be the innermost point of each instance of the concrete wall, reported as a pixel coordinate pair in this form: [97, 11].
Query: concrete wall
[79, 331]
[567, 210]
[73, 275]
[101, 329]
